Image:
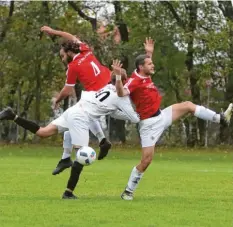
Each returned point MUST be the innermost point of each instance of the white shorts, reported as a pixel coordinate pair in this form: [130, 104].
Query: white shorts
[77, 122]
[152, 128]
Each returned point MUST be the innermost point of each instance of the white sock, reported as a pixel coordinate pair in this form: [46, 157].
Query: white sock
[67, 145]
[134, 179]
[206, 114]
[97, 130]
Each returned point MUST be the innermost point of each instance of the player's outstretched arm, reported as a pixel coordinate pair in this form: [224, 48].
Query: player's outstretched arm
[62, 34]
[149, 46]
[65, 92]
[121, 91]
[126, 111]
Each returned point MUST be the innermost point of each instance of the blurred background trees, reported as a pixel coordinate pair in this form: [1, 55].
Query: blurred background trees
[193, 57]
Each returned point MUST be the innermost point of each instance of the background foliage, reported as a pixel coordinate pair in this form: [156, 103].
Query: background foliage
[193, 45]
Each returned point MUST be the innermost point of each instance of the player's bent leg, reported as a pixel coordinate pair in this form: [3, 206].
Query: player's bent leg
[104, 144]
[78, 124]
[8, 114]
[137, 173]
[181, 109]
[65, 161]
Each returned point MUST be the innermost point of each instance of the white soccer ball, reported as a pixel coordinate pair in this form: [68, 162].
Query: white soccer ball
[86, 156]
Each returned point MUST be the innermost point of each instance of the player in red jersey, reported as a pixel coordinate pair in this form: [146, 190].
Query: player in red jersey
[82, 64]
[83, 67]
[153, 122]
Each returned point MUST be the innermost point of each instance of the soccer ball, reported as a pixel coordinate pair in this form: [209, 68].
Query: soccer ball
[86, 156]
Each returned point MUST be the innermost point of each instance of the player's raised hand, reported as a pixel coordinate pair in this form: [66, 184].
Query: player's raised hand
[149, 45]
[116, 66]
[47, 30]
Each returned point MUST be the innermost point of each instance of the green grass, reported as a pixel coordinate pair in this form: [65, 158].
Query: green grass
[180, 188]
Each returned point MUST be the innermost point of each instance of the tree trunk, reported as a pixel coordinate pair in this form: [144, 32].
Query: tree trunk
[195, 90]
[227, 10]
[120, 124]
[8, 20]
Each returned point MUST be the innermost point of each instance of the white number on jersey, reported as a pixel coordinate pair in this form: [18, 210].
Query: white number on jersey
[95, 68]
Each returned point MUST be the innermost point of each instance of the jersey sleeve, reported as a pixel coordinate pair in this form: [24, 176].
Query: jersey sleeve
[84, 47]
[126, 110]
[71, 76]
[130, 85]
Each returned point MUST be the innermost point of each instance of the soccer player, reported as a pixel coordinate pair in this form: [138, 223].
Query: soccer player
[77, 119]
[153, 121]
[84, 67]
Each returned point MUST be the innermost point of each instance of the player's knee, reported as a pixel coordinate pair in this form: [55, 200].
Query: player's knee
[146, 161]
[41, 133]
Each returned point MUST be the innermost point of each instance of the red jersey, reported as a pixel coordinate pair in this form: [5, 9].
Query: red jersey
[144, 95]
[88, 70]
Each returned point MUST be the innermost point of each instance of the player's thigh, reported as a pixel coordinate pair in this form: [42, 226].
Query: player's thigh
[150, 130]
[78, 123]
[61, 123]
[47, 131]
[181, 109]
[79, 136]
[167, 116]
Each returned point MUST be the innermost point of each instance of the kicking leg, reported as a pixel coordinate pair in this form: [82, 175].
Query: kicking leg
[104, 144]
[65, 161]
[181, 109]
[79, 133]
[49, 130]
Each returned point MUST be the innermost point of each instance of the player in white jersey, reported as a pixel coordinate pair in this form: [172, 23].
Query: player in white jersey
[76, 119]
[95, 128]
[91, 106]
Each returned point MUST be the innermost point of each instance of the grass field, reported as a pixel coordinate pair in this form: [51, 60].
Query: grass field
[181, 188]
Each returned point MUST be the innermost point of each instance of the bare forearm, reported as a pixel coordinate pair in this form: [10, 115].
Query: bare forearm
[120, 89]
[65, 35]
[62, 95]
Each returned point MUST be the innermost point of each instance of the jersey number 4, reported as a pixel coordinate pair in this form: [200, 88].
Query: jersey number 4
[95, 68]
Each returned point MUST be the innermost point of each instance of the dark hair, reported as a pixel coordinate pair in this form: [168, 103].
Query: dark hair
[72, 46]
[140, 60]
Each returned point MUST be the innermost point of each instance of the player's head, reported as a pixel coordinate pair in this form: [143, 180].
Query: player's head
[144, 64]
[123, 76]
[68, 50]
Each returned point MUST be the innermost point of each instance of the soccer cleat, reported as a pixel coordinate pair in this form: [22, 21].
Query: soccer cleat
[105, 146]
[62, 165]
[7, 114]
[226, 116]
[126, 195]
[68, 195]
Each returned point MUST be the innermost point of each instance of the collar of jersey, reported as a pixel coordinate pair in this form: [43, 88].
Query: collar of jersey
[75, 56]
[143, 77]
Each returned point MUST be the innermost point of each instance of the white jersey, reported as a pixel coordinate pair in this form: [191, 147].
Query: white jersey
[105, 102]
